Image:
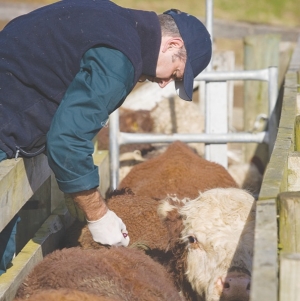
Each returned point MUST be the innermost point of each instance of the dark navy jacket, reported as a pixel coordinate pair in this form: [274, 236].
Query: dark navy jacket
[40, 54]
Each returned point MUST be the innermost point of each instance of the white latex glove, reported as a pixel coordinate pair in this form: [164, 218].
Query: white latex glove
[109, 230]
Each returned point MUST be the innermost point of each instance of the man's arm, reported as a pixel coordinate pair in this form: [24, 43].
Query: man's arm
[91, 203]
[105, 79]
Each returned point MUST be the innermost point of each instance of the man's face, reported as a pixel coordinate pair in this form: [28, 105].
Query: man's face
[169, 66]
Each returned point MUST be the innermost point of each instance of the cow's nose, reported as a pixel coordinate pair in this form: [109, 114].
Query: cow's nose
[232, 283]
[236, 287]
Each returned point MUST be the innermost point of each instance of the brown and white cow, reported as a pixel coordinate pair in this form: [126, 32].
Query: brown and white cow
[215, 245]
[206, 243]
[211, 243]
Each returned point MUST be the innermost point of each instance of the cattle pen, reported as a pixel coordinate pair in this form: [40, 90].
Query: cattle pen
[28, 188]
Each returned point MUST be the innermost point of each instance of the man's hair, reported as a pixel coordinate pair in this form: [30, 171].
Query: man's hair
[169, 28]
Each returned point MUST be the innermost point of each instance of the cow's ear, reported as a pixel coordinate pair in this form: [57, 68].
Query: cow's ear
[168, 211]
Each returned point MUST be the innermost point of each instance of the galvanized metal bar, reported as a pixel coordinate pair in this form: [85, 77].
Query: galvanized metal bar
[213, 76]
[209, 25]
[272, 88]
[114, 133]
[213, 138]
[273, 94]
[216, 120]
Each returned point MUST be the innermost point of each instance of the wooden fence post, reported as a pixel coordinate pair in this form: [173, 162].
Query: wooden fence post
[289, 221]
[264, 281]
[289, 277]
[260, 51]
[293, 176]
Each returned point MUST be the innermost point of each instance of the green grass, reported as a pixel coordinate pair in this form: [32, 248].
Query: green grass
[275, 12]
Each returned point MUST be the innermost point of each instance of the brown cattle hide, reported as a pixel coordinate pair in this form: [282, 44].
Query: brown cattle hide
[179, 170]
[122, 273]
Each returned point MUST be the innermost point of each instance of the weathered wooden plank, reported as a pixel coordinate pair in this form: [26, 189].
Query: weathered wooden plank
[47, 238]
[33, 214]
[265, 266]
[293, 176]
[264, 283]
[45, 241]
[275, 178]
[19, 179]
[289, 277]
[289, 221]
[297, 128]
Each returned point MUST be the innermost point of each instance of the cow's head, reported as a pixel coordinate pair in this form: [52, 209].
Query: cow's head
[212, 241]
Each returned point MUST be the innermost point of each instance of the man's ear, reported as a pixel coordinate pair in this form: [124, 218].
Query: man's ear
[172, 43]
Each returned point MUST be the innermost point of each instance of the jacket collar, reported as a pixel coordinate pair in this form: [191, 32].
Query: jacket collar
[149, 31]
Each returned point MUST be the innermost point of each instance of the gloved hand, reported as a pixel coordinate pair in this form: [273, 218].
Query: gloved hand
[109, 230]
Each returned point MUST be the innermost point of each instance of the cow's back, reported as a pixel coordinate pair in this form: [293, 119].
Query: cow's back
[179, 170]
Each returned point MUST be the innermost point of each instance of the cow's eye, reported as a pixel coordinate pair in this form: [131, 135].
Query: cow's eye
[192, 239]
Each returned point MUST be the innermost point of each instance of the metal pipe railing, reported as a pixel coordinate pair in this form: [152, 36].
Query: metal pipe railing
[118, 138]
[114, 151]
[218, 76]
[132, 138]
[209, 25]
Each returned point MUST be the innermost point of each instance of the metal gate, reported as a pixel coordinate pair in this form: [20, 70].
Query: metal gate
[215, 138]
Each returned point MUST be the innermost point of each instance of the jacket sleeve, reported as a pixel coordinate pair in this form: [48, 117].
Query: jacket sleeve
[102, 84]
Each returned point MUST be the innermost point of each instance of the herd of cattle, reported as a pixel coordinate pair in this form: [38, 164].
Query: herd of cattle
[168, 117]
[191, 231]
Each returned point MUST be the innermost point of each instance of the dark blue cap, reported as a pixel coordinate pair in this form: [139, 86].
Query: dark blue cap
[198, 48]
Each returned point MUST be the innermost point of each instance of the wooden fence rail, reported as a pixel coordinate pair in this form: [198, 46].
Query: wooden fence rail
[29, 189]
[269, 282]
